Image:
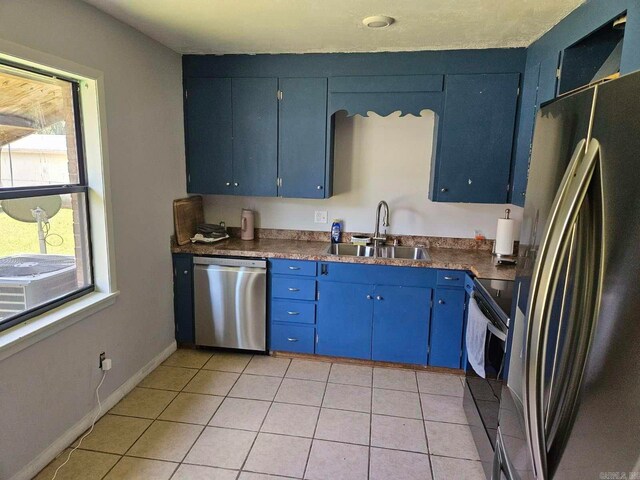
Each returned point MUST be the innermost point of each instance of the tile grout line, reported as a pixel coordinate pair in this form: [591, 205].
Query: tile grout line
[315, 429]
[225, 397]
[424, 429]
[370, 428]
[265, 417]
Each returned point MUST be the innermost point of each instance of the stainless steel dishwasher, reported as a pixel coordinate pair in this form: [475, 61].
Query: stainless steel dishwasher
[230, 298]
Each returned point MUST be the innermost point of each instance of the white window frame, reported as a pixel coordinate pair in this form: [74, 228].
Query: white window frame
[94, 128]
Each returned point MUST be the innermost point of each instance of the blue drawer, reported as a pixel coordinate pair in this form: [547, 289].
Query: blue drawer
[293, 267]
[450, 278]
[291, 311]
[296, 288]
[287, 337]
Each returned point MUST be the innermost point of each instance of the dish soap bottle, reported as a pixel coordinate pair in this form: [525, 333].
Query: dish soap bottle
[336, 232]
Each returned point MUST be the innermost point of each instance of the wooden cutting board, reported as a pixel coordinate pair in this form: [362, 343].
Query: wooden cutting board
[187, 213]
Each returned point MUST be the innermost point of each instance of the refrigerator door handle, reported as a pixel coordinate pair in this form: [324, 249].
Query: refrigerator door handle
[544, 282]
[588, 258]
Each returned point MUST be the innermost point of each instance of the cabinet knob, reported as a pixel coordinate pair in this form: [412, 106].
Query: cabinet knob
[369, 297]
[470, 182]
[228, 184]
[441, 302]
[319, 187]
[379, 298]
[444, 189]
[186, 272]
[235, 184]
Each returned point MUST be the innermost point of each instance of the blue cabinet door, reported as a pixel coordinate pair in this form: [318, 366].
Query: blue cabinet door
[302, 137]
[473, 159]
[208, 135]
[446, 328]
[345, 313]
[255, 136]
[183, 298]
[401, 324]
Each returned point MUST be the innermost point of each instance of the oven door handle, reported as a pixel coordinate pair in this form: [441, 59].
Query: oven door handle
[499, 334]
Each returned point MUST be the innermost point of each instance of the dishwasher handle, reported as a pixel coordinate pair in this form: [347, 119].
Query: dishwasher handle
[230, 262]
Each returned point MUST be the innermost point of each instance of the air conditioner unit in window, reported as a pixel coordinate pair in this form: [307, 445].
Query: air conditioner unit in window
[29, 280]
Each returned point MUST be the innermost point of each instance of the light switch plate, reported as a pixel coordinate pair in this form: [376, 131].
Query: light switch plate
[320, 216]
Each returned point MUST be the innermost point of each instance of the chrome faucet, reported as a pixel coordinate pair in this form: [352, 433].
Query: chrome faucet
[385, 223]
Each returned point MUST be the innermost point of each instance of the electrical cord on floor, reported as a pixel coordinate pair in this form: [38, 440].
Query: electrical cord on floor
[93, 423]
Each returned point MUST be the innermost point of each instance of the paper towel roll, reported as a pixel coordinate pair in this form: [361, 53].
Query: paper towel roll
[505, 236]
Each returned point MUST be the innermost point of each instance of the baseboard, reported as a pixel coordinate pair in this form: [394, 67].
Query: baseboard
[53, 450]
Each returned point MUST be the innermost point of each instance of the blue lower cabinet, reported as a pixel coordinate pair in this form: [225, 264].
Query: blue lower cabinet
[183, 298]
[345, 313]
[401, 324]
[447, 328]
[292, 338]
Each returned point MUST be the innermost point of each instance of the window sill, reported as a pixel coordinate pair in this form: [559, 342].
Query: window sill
[38, 328]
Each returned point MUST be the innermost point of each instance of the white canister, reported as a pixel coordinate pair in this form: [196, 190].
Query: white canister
[246, 224]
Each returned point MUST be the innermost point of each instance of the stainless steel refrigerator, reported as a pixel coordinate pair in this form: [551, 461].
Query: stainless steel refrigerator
[570, 406]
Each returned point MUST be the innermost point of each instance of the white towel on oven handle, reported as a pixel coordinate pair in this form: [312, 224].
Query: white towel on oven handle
[476, 336]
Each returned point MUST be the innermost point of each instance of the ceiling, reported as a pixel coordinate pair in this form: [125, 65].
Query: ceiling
[305, 26]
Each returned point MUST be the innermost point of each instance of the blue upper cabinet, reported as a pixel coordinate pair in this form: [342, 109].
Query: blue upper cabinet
[473, 156]
[302, 138]
[255, 136]
[208, 132]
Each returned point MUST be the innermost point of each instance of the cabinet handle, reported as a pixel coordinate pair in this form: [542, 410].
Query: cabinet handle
[441, 302]
[379, 298]
[369, 297]
[228, 184]
[293, 313]
[319, 187]
[294, 268]
[451, 278]
[292, 339]
[293, 289]
[235, 184]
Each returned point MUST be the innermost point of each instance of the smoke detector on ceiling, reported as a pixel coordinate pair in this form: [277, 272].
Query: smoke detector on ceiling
[378, 21]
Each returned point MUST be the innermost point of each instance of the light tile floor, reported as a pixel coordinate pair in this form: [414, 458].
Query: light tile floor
[228, 416]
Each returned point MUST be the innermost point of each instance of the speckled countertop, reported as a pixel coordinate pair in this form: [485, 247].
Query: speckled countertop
[480, 262]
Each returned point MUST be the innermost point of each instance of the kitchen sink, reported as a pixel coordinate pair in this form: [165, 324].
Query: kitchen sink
[390, 251]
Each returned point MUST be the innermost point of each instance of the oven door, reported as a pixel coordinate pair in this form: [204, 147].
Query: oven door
[482, 395]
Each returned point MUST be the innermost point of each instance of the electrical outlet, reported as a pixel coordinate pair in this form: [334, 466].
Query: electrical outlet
[320, 216]
[102, 357]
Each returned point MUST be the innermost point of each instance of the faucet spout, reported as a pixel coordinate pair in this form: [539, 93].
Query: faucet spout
[385, 222]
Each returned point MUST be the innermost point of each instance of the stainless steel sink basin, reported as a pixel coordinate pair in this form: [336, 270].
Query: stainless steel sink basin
[409, 253]
[351, 250]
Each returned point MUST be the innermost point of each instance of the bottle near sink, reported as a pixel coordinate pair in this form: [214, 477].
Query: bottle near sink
[336, 231]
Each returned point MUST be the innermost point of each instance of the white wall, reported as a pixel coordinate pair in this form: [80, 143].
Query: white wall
[48, 387]
[376, 158]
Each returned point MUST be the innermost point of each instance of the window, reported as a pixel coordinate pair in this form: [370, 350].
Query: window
[45, 254]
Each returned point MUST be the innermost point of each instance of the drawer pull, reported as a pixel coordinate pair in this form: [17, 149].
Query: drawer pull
[293, 289]
[292, 339]
[294, 268]
[451, 278]
[293, 313]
